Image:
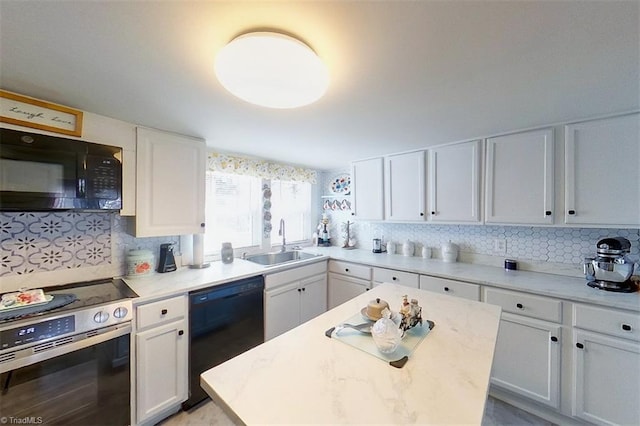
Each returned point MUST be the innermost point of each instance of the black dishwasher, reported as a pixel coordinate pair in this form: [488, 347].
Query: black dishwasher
[224, 321]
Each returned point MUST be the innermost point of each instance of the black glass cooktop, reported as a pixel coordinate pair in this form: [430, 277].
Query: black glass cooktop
[87, 294]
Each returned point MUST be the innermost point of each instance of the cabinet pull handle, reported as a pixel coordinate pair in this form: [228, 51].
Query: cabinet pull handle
[572, 212]
[626, 327]
[547, 213]
[519, 306]
[554, 339]
[163, 312]
[394, 278]
[446, 289]
[180, 333]
[579, 346]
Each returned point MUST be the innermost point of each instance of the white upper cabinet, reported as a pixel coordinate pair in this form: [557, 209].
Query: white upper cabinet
[602, 172]
[368, 189]
[170, 184]
[454, 183]
[520, 178]
[405, 185]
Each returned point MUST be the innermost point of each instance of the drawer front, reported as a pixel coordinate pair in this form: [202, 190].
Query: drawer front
[524, 304]
[450, 287]
[350, 269]
[151, 314]
[294, 274]
[608, 321]
[381, 275]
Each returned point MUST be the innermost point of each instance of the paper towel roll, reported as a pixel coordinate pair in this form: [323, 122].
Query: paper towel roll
[186, 249]
[198, 249]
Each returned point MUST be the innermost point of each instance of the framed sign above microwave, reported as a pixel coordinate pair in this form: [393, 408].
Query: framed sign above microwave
[29, 112]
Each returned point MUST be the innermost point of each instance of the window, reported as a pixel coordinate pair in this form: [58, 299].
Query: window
[291, 201]
[233, 208]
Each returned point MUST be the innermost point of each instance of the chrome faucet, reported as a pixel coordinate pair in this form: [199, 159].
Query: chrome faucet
[281, 233]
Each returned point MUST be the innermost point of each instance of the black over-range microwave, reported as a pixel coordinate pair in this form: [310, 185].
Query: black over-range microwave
[40, 172]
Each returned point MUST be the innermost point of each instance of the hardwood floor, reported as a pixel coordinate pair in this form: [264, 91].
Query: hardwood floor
[497, 413]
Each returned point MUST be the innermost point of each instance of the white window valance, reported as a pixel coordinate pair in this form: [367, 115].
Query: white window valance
[226, 163]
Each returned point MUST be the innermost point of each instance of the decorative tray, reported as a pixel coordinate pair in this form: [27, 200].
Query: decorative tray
[48, 298]
[365, 343]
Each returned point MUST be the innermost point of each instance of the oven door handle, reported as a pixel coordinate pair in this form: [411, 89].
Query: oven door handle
[64, 345]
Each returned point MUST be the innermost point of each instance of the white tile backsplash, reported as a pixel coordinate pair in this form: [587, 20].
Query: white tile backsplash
[552, 247]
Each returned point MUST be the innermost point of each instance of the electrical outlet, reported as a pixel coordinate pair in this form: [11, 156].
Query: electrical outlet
[500, 246]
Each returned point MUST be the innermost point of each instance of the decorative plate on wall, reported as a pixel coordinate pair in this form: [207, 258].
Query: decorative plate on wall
[341, 185]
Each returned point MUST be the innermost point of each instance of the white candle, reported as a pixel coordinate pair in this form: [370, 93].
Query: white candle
[198, 249]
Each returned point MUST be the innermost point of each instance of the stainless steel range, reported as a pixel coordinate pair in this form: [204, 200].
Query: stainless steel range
[67, 361]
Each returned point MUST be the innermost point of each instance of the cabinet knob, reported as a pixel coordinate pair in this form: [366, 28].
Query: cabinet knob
[547, 213]
[180, 332]
[394, 278]
[303, 288]
[579, 346]
[446, 289]
[554, 339]
[571, 212]
[519, 306]
[353, 214]
[163, 312]
[626, 327]
[299, 290]
[421, 214]
[202, 225]
[346, 269]
[433, 213]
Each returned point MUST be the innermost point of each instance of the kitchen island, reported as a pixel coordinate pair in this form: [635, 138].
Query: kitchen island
[303, 376]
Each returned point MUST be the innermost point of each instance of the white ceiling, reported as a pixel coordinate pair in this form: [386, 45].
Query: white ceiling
[404, 74]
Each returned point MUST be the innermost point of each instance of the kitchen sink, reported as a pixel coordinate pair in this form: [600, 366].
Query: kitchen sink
[270, 259]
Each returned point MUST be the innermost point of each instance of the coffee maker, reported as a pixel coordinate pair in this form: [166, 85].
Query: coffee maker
[167, 261]
[611, 270]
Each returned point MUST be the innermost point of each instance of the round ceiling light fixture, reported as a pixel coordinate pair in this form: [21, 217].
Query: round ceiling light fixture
[272, 70]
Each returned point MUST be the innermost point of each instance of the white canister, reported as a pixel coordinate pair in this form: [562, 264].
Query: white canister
[139, 263]
[449, 252]
[408, 248]
[391, 247]
[426, 252]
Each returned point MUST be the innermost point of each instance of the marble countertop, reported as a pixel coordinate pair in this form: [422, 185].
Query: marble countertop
[303, 377]
[186, 279]
[558, 286]
[563, 287]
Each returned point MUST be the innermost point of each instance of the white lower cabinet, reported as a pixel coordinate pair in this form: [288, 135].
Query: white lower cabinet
[293, 297]
[161, 344]
[528, 350]
[383, 275]
[346, 281]
[527, 358]
[606, 367]
[343, 288]
[450, 287]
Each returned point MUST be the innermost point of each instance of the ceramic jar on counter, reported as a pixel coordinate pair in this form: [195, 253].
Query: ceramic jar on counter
[408, 248]
[139, 263]
[449, 252]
